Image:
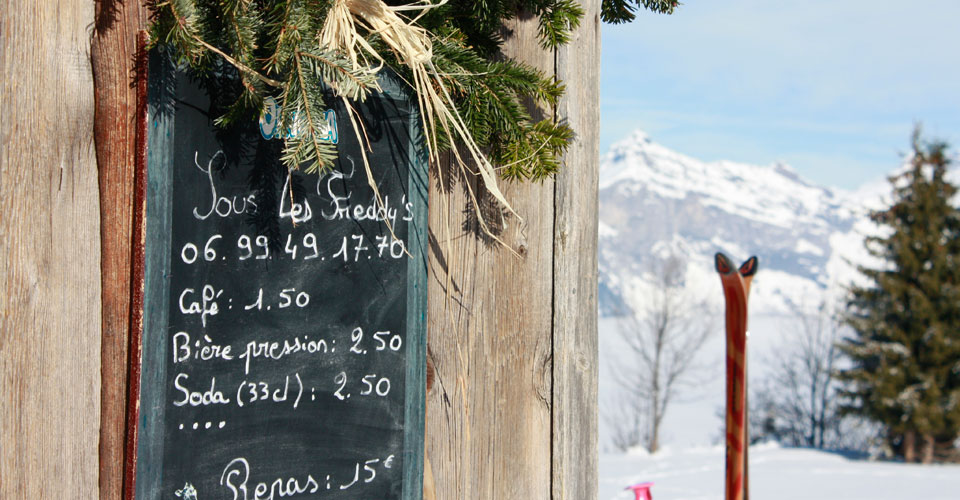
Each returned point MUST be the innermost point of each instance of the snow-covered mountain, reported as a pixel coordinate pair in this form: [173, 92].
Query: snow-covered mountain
[655, 202]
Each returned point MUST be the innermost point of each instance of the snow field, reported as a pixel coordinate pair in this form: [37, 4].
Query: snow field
[690, 464]
[776, 474]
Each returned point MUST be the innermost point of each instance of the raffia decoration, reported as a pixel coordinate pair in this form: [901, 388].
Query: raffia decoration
[412, 45]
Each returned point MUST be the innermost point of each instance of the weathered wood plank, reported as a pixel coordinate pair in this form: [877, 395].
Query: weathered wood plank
[112, 56]
[489, 426]
[490, 423]
[575, 269]
[50, 245]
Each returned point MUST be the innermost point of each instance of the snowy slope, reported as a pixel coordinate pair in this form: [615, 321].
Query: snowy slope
[776, 474]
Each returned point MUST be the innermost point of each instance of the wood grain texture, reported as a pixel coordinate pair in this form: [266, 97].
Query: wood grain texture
[113, 52]
[513, 414]
[488, 434]
[50, 245]
[575, 269]
[489, 429]
[137, 280]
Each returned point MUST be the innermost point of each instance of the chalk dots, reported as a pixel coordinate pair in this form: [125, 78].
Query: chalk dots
[206, 425]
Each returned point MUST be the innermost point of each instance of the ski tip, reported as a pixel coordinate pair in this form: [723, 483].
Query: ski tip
[749, 267]
[722, 263]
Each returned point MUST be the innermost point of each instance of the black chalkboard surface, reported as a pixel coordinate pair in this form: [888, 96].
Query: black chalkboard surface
[283, 334]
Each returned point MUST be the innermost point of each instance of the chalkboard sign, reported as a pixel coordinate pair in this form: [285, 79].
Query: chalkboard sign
[283, 336]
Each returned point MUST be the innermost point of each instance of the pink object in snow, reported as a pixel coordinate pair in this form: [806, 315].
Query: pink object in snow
[641, 490]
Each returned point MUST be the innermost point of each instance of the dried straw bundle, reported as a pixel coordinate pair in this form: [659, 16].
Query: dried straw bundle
[413, 48]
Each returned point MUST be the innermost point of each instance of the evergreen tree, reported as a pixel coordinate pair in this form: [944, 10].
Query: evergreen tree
[905, 352]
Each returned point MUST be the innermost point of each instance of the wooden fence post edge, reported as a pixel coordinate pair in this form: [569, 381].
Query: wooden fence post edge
[575, 364]
[139, 266]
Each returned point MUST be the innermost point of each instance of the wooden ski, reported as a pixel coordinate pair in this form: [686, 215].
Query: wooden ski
[736, 290]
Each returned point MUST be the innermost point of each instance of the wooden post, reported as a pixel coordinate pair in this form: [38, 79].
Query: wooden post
[575, 350]
[113, 50]
[513, 412]
[50, 245]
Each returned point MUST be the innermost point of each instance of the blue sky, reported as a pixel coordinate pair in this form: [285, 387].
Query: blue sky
[831, 87]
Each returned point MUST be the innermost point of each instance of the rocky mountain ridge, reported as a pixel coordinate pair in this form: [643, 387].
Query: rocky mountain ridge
[656, 202]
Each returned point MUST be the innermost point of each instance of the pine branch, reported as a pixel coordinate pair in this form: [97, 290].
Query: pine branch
[622, 11]
[305, 147]
[339, 74]
[557, 20]
[272, 45]
[536, 155]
